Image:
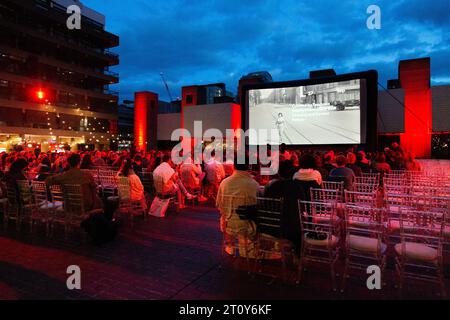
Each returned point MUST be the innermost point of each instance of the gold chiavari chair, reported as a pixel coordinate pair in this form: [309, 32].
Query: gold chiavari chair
[42, 205]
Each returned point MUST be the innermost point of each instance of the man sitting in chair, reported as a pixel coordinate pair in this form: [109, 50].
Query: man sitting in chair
[192, 176]
[74, 176]
[167, 183]
[342, 173]
[240, 189]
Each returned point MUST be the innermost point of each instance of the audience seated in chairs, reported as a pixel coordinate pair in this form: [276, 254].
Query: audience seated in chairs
[75, 176]
[192, 176]
[167, 183]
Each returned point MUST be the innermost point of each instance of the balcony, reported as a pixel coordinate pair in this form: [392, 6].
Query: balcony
[57, 12]
[61, 39]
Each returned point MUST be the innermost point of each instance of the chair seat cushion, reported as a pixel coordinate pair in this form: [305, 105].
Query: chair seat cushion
[322, 243]
[365, 244]
[325, 218]
[360, 222]
[51, 205]
[417, 251]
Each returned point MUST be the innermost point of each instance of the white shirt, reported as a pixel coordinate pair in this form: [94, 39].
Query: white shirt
[161, 176]
[189, 173]
[214, 171]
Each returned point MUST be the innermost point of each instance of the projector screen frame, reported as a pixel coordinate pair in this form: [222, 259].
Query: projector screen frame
[371, 112]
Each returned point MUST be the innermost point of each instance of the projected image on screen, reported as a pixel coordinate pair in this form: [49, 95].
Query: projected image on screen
[327, 113]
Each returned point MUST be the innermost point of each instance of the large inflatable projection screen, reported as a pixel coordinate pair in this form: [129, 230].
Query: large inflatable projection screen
[317, 114]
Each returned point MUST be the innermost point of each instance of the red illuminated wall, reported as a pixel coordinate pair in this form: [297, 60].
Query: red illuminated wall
[145, 120]
[192, 90]
[414, 76]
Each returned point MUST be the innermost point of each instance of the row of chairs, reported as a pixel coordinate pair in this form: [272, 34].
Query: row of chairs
[418, 249]
[34, 202]
[363, 235]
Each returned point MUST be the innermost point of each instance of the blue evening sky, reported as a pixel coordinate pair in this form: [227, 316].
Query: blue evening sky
[208, 41]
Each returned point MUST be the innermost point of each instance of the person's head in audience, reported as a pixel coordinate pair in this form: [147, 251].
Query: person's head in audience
[318, 161]
[126, 168]
[241, 164]
[381, 157]
[361, 156]
[351, 158]
[87, 161]
[167, 158]
[18, 166]
[341, 161]
[45, 161]
[286, 170]
[138, 159]
[327, 158]
[307, 161]
[74, 160]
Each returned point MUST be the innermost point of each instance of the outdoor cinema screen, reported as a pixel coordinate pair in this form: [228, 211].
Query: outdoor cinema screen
[317, 114]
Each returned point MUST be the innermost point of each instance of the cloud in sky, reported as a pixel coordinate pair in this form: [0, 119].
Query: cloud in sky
[208, 41]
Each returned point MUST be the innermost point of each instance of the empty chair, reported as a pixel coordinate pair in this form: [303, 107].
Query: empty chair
[320, 237]
[58, 213]
[365, 187]
[25, 200]
[126, 204]
[12, 208]
[333, 185]
[369, 178]
[365, 243]
[364, 199]
[325, 195]
[419, 254]
[74, 206]
[42, 205]
[108, 183]
[270, 241]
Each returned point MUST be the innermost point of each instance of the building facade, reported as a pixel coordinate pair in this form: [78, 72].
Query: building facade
[54, 82]
[415, 113]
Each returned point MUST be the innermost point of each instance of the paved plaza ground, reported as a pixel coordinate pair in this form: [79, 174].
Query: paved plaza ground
[178, 257]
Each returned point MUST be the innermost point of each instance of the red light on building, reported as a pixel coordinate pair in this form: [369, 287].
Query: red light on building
[40, 94]
[145, 120]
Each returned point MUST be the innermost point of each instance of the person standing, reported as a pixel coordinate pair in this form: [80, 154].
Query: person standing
[281, 126]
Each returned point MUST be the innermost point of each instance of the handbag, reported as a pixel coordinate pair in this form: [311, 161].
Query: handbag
[159, 207]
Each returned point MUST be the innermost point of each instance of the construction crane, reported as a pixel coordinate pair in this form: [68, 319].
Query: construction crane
[167, 87]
